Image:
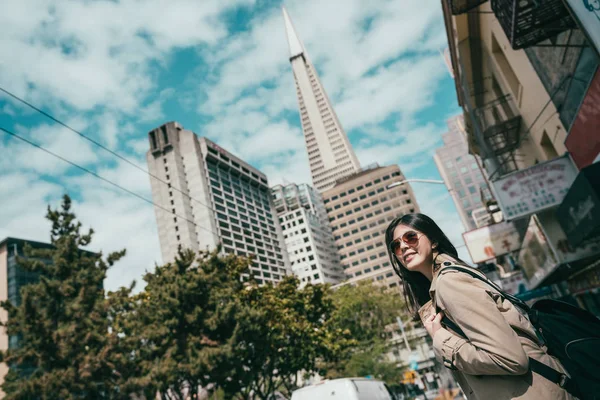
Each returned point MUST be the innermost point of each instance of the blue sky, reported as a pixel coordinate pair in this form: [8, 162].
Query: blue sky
[116, 69]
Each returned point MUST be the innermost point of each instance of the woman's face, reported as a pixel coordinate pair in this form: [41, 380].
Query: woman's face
[413, 249]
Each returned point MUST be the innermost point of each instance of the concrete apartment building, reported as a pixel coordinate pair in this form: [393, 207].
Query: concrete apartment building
[307, 234]
[213, 197]
[462, 175]
[330, 154]
[360, 208]
[527, 78]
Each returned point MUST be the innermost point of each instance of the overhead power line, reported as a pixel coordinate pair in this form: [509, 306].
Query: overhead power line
[95, 142]
[102, 178]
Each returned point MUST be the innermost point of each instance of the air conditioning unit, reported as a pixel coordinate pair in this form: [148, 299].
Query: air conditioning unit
[482, 217]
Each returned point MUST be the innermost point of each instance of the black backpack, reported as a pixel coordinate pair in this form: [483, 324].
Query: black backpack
[571, 334]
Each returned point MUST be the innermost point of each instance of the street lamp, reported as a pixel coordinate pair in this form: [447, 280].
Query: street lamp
[436, 181]
[401, 325]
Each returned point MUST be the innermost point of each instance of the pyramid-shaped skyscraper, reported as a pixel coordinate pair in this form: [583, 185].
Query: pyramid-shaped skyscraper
[359, 202]
[330, 153]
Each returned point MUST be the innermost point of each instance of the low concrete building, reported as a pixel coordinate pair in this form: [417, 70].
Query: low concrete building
[307, 234]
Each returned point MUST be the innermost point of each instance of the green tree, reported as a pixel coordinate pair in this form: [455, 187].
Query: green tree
[282, 333]
[372, 361]
[175, 335]
[122, 308]
[363, 312]
[61, 322]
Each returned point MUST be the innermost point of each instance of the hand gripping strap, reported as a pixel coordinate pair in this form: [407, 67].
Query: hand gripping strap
[536, 366]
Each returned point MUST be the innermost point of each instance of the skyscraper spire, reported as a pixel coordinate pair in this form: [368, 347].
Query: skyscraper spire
[330, 154]
[296, 47]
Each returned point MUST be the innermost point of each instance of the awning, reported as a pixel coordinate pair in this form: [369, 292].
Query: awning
[546, 257]
[564, 272]
[579, 213]
[586, 280]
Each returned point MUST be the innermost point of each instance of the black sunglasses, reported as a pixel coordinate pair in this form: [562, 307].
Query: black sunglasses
[411, 238]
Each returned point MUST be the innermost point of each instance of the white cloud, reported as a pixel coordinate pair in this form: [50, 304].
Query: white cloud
[89, 54]
[8, 110]
[405, 87]
[273, 139]
[364, 89]
[411, 148]
[109, 125]
[119, 220]
[154, 110]
[138, 146]
[435, 201]
[125, 222]
[348, 50]
[19, 155]
[122, 174]
[249, 59]
[267, 141]
[379, 65]
[22, 216]
[290, 169]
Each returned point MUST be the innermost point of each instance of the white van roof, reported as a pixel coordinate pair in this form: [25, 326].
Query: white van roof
[344, 389]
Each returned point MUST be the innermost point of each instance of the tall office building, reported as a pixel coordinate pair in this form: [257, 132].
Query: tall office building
[462, 175]
[12, 278]
[360, 208]
[330, 154]
[217, 197]
[307, 234]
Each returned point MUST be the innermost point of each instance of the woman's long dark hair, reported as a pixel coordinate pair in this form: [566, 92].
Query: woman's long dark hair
[416, 285]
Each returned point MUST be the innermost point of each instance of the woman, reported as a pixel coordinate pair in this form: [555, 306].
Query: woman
[492, 361]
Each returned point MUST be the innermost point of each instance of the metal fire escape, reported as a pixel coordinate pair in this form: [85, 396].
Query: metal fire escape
[494, 119]
[500, 124]
[525, 22]
[528, 22]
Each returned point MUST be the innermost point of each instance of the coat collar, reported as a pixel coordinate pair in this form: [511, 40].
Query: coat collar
[440, 261]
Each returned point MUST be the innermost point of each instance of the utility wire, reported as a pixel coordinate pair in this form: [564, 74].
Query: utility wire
[101, 178]
[89, 139]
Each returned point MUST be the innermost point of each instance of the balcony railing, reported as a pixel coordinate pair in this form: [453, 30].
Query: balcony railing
[500, 125]
[528, 22]
[462, 6]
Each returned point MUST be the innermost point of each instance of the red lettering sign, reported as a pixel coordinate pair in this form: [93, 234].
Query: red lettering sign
[583, 141]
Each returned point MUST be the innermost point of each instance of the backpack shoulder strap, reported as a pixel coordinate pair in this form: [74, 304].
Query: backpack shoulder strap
[547, 372]
[516, 301]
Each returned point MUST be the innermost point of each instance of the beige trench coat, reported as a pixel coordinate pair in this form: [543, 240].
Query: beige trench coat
[493, 364]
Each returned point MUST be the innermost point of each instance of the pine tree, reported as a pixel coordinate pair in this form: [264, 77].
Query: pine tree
[61, 322]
